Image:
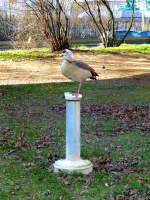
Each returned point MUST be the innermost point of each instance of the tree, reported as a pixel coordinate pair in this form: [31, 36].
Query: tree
[102, 15]
[53, 20]
[10, 3]
[6, 27]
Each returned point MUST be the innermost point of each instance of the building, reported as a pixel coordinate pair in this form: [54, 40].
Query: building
[123, 11]
[7, 8]
[3, 6]
[141, 14]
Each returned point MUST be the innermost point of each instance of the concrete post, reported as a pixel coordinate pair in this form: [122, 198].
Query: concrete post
[72, 127]
[73, 162]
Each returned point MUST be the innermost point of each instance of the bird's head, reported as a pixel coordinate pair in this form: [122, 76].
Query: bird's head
[67, 54]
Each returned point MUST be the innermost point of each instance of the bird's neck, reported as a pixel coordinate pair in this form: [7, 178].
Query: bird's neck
[69, 60]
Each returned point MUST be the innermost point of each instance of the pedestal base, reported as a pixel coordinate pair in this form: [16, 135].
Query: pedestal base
[81, 166]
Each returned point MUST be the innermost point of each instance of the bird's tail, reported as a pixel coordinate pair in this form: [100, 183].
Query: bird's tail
[94, 75]
[93, 78]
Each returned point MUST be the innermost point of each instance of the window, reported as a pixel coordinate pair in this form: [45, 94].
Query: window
[148, 4]
[137, 4]
[129, 3]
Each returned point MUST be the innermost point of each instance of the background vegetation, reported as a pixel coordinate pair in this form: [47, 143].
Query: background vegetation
[27, 24]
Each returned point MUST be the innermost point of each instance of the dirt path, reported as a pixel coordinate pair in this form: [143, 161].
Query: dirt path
[43, 71]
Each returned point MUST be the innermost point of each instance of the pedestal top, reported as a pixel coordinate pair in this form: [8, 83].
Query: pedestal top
[72, 96]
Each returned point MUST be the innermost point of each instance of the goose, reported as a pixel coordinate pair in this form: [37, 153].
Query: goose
[76, 70]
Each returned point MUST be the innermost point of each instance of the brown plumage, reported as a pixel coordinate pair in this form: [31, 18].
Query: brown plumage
[86, 67]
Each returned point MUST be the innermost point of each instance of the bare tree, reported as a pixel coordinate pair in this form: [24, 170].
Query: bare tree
[6, 27]
[53, 20]
[21, 29]
[26, 32]
[102, 15]
[10, 4]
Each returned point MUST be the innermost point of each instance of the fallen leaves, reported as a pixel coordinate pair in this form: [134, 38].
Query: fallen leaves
[129, 116]
[128, 194]
[108, 165]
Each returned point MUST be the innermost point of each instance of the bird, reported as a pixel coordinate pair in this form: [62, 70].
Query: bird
[76, 70]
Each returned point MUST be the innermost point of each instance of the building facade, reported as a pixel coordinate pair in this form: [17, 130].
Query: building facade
[122, 10]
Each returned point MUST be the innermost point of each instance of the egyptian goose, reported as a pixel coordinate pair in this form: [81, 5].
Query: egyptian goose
[76, 70]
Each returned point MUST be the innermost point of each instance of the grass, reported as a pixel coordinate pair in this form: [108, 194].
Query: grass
[32, 137]
[124, 48]
[37, 53]
[44, 53]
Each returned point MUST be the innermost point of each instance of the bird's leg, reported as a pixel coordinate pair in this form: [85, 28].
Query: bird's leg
[78, 91]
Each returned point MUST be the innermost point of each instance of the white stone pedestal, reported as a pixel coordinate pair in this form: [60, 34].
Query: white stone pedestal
[73, 162]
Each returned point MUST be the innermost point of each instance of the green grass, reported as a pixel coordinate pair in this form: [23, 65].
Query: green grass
[124, 48]
[44, 53]
[37, 53]
[32, 137]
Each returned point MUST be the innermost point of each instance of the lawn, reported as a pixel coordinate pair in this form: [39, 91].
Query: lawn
[35, 53]
[44, 53]
[115, 137]
[124, 48]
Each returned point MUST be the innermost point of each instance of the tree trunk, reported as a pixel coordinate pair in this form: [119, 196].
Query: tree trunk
[57, 47]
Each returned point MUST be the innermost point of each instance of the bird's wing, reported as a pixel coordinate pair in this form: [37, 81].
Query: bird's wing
[85, 66]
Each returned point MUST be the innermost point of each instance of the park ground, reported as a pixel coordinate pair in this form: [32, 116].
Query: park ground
[115, 136]
[108, 66]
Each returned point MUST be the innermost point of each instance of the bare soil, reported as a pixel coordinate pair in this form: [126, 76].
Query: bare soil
[109, 66]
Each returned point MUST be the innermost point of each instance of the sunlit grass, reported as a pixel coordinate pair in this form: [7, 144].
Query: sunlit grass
[45, 53]
[36, 53]
[125, 48]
